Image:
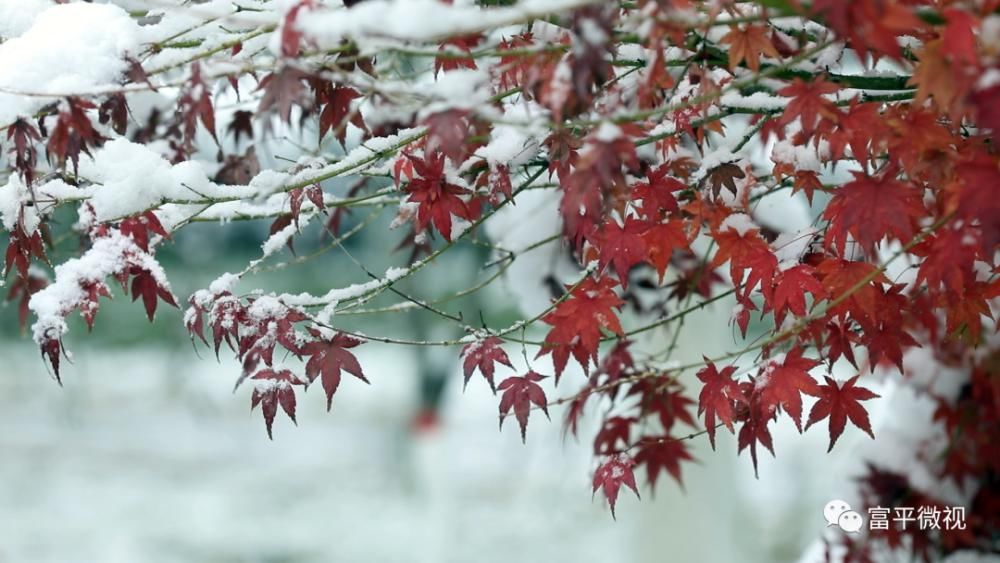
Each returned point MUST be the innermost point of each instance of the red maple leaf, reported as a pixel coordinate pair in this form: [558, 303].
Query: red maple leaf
[841, 403]
[577, 322]
[790, 288]
[840, 276]
[808, 104]
[274, 388]
[447, 59]
[663, 396]
[870, 209]
[138, 228]
[145, 285]
[613, 435]
[718, 397]
[611, 475]
[754, 429]
[746, 252]
[657, 193]
[782, 383]
[519, 393]
[662, 239]
[336, 113]
[483, 355]
[21, 247]
[662, 455]
[438, 198]
[622, 246]
[328, 357]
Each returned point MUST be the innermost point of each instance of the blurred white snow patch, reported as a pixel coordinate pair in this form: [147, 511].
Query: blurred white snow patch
[69, 48]
[16, 16]
[783, 212]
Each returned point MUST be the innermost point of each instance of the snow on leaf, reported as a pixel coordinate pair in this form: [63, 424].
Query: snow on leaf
[611, 475]
[271, 389]
[577, 323]
[484, 355]
[519, 393]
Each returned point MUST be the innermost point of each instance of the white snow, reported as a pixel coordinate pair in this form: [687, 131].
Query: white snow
[133, 178]
[55, 301]
[396, 18]
[16, 16]
[741, 223]
[69, 48]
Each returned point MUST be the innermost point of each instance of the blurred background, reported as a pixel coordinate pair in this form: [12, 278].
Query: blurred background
[147, 454]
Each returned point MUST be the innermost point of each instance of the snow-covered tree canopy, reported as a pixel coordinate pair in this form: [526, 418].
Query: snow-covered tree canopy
[827, 168]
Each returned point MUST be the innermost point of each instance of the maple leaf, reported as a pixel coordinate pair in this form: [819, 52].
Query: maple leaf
[140, 226]
[783, 381]
[114, 110]
[724, 175]
[808, 104]
[282, 90]
[614, 431]
[336, 113]
[145, 285]
[936, 79]
[746, 251]
[328, 357]
[663, 396]
[662, 239]
[438, 199]
[447, 132]
[519, 393]
[754, 426]
[449, 57]
[618, 363]
[662, 455]
[273, 388]
[718, 396]
[840, 403]
[840, 276]
[575, 410]
[21, 247]
[577, 322]
[870, 209]
[21, 290]
[73, 133]
[790, 288]
[622, 246]
[657, 193]
[24, 136]
[242, 124]
[949, 258]
[194, 104]
[748, 44]
[611, 475]
[484, 355]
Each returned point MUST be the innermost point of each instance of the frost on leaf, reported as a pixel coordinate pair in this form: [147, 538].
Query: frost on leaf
[611, 475]
[519, 394]
[577, 323]
[271, 389]
[484, 355]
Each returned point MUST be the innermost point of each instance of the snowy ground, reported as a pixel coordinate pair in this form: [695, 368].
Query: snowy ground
[145, 455]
